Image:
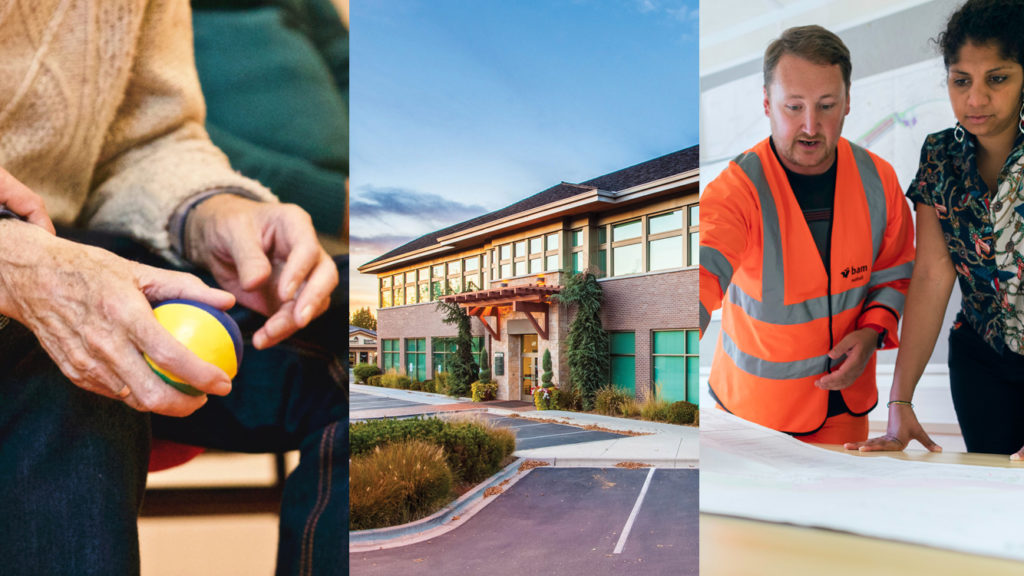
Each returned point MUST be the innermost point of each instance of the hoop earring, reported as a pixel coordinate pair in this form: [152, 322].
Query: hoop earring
[958, 133]
[1020, 125]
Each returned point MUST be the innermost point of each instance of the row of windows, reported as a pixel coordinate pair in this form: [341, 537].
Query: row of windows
[648, 244]
[416, 355]
[651, 243]
[675, 363]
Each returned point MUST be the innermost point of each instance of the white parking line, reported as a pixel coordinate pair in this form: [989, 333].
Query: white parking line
[632, 516]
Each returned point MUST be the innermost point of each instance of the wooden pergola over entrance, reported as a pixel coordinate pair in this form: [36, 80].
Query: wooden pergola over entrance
[530, 299]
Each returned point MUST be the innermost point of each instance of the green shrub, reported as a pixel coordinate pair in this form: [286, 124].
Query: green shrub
[655, 410]
[441, 381]
[395, 380]
[485, 366]
[569, 399]
[397, 483]
[374, 380]
[428, 386]
[363, 372]
[484, 391]
[474, 449]
[609, 400]
[630, 408]
[416, 385]
[681, 412]
[365, 436]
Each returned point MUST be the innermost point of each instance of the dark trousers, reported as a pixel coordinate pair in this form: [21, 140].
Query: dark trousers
[73, 464]
[988, 393]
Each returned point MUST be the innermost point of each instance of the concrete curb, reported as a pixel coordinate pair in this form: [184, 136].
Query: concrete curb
[438, 523]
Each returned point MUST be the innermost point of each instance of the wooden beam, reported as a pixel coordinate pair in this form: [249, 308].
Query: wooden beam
[530, 308]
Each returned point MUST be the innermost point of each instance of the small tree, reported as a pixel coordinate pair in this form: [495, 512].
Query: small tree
[545, 364]
[363, 318]
[587, 344]
[485, 366]
[460, 366]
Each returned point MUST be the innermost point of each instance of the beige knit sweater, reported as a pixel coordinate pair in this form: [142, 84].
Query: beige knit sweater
[102, 115]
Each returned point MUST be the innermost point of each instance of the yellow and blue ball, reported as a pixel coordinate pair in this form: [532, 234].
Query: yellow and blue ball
[209, 333]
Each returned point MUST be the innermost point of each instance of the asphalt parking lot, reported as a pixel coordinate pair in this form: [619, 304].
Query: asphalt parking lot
[566, 521]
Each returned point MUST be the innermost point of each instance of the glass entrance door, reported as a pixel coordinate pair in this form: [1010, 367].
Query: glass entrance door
[530, 375]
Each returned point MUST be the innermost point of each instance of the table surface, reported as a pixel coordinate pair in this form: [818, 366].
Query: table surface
[734, 546]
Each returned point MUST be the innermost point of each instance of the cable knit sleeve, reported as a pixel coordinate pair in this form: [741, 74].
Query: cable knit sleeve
[156, 154]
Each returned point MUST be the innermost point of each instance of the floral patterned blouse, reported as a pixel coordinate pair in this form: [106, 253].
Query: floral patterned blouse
[984, 233]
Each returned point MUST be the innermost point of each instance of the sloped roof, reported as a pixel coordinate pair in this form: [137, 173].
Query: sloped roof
[649, 171]
[352, 329]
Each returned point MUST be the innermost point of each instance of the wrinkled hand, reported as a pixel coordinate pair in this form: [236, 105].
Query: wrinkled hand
[268, 256]
[90, 311]
[24, 202]
[902, 428]
[857, 346]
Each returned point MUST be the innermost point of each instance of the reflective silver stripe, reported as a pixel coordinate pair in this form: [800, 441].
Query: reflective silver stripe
[875, 195]
[773, 287]
[713, 261]
[800, 312]
[886, 296]
[773, 370]
[705, 318]
[901, 272]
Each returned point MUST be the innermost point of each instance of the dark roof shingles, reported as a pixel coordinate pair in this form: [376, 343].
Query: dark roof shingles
[649, 171]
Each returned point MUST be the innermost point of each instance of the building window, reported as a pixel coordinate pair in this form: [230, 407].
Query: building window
[676, 364]
[665, 241]
[443, 348]
[392, 355]
[399, 296]
[385, 292]
[552, 242]
[627, 248]
[694, 234]
[623, 356]
[424, 292]
[552, 264]
[474, 282]
[416, 358]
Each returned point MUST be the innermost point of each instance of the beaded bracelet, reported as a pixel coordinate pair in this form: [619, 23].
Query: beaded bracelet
[900, 402]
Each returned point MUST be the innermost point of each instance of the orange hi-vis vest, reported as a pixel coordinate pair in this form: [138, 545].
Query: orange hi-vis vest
[781, 310]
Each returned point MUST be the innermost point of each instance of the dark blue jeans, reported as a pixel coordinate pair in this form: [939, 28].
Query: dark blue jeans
[73, 464]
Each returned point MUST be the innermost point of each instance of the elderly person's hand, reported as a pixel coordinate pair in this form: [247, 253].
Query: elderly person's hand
[268, 256]
[90, 310]
[17, 198]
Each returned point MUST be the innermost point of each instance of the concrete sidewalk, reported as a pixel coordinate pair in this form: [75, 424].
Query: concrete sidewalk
[660, 445]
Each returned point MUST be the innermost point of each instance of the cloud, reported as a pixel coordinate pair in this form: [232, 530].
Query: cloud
[646, 6]
[376, 245]
[684, 14]
[386, 202]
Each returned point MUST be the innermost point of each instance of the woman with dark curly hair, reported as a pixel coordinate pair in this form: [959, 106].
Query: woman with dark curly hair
[969, 196]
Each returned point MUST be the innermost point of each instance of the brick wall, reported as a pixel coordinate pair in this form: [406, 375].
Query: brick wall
[416, 321]
[646, 303]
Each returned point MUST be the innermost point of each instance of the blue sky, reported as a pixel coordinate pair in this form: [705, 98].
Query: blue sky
[463, 107]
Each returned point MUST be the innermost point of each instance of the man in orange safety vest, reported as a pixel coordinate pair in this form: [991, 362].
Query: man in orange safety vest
[806, 244]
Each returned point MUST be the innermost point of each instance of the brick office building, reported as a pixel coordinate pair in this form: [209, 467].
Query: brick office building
[636, 229]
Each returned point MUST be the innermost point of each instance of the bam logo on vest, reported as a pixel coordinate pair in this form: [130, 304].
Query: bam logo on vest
[853, 270]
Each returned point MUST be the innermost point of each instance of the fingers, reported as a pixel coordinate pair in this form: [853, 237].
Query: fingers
[250, 261]
[24, 202]
[177, 360]
[279, 326]
[1018, 455]
[159, 285]
[885, 443]
[315, 296]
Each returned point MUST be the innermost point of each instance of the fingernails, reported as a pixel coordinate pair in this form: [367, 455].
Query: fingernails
[289, 292]
[222, 388]
[306, 315]
[1015, 456]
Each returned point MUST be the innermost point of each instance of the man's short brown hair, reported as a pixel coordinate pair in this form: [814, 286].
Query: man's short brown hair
[812, 43]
